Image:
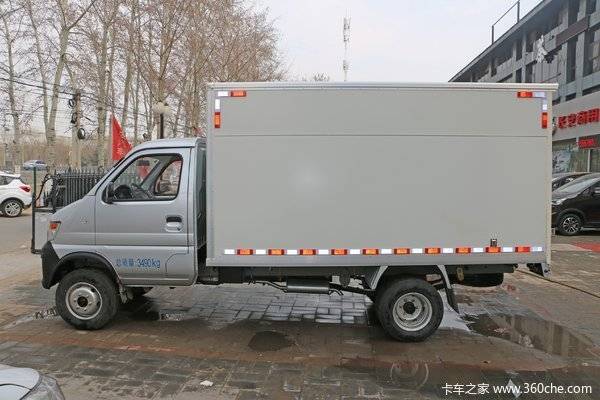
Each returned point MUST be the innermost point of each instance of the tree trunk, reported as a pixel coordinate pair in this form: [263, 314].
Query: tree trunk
[16, 153]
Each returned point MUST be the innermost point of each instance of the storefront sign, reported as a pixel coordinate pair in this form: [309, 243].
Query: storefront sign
[580, 118]
[588, 142]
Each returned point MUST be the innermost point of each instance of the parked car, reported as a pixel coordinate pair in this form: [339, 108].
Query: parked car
[27, 383]
[34, 164]
[563, 178]
[14, 195]
[576, 205]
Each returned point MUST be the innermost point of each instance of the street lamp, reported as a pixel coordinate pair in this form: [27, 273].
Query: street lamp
[161, 109]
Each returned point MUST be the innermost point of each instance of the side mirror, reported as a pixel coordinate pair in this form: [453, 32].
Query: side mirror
[109, 193]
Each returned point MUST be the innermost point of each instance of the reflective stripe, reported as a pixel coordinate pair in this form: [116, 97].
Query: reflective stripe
[398, 251]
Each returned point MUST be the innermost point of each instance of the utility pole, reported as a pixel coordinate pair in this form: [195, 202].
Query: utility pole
[75, 104]
[346, 36]
[162, 110]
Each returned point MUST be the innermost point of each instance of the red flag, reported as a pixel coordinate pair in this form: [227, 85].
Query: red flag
[120, 145]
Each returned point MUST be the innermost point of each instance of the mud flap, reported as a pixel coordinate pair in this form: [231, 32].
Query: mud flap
[542, 269]
[449, 289]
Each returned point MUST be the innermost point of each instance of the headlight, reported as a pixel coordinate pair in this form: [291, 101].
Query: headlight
[558, 202]
[46, 389]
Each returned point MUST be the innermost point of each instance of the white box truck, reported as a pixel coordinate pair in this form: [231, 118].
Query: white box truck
[396, 191]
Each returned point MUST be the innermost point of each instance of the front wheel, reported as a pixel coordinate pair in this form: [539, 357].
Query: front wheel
[569, 224]
[87, 299]
[409, 309]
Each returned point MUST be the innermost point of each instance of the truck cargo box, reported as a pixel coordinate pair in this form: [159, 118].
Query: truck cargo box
[378, 174]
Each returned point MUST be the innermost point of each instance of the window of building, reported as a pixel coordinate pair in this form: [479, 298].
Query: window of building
[529, 73]
[567, 157]
[519, 48]
[594, 160]
[592, 50]
[518, 77]
[571, 59]
[531, 38]
[590, 7]
[556, 101]
[570, 96]
[552, 22]
[479, 73]
[573, 11]
[591, 90]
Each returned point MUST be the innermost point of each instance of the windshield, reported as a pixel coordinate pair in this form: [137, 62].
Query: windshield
[577, 185]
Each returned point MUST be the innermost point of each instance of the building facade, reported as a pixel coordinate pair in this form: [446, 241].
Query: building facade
[556, 42]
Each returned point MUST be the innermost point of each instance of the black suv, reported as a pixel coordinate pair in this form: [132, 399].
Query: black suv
[576, 205]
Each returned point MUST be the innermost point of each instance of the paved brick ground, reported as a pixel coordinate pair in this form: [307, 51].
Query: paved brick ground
[256, 342]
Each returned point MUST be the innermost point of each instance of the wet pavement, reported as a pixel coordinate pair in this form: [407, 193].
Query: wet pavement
[254, 342]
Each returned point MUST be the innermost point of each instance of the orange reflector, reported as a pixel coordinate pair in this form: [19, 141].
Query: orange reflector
[432, 250]
[308, 252]
[463, 250]
[370, 252]
[217, 119]
[245, 252]
[401, 250]
[544, 120]
[524, 95]
[237, 93]
[276, 252]
[492, 249]
[54, 225]
[339, 252]
[522, 249]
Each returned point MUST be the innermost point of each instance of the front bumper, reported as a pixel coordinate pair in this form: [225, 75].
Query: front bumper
[49, 264]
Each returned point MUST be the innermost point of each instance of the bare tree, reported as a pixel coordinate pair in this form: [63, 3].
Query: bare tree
[68, 15]
[10, 36]
[127, 55]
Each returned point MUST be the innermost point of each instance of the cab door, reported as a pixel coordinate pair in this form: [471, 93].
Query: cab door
[142, 228]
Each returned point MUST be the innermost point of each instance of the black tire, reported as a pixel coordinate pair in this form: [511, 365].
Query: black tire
[12, 208]
[429, 309]
[569, 224]
[139, 291]
[91, 283]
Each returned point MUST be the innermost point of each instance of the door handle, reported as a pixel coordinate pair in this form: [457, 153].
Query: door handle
[174, 223]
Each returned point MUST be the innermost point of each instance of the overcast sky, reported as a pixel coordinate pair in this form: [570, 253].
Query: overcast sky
[390, 40]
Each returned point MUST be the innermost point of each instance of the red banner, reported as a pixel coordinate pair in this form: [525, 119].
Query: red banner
[120, 145]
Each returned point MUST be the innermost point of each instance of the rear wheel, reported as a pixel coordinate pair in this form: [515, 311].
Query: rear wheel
[409, 309]
[12, 208]
[87, 299]
[569, 224]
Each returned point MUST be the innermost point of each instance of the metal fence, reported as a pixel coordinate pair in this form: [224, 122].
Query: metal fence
[71, 185]
[62, 187]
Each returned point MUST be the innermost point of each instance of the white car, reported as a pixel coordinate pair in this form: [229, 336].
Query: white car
[27, 383]
[14, 195]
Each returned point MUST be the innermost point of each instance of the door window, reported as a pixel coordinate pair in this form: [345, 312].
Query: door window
[149, 177]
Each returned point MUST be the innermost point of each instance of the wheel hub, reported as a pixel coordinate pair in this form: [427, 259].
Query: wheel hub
[412, 311]
[83, 300]
[12, 208]
[570, 225]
